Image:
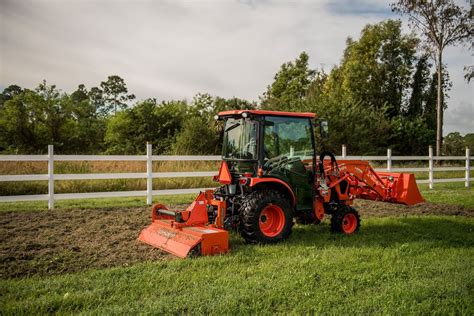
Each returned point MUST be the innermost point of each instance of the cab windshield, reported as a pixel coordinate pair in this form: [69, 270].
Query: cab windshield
[240, 139]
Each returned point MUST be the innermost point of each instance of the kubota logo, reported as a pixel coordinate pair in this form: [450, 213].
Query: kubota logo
[166, 233]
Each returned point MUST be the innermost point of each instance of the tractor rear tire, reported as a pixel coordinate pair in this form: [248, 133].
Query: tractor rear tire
[266, 217]
[345, 220]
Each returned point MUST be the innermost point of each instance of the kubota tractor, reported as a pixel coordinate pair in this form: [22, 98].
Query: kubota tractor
[271, 177]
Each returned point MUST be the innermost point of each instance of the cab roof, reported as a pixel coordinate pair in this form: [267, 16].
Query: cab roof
[265, 112]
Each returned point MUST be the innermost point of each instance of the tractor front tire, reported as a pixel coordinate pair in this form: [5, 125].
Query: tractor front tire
[345, 220]
[266, 216]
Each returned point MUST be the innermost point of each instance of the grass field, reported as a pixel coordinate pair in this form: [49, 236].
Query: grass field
[83, 258]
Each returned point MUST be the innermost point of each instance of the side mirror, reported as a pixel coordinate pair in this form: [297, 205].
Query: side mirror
[324, 129]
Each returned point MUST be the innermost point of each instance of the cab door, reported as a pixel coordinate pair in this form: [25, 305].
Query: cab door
[288, 151]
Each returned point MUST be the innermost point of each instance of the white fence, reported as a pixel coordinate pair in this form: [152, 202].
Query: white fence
[150, 175]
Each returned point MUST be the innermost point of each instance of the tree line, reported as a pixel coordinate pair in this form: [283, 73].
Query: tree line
[383, 93]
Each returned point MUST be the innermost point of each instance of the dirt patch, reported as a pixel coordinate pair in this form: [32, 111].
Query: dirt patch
[380, 209]
[56, 242]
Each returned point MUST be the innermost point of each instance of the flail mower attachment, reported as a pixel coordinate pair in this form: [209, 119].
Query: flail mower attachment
[188, 232]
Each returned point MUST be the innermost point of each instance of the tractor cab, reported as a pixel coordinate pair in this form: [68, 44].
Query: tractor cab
[270, 144]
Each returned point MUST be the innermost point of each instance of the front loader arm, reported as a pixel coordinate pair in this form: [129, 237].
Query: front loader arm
[364, 182]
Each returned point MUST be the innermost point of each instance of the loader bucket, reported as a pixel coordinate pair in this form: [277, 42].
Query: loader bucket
[406, 190]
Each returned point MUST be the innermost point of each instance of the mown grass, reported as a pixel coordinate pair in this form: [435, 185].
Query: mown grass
[414, 265]
[403, 265]
[449, 193]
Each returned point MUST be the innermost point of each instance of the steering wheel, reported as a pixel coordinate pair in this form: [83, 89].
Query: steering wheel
[266, 153]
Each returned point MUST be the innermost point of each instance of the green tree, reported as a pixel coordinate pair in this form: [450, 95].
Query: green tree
[453, 144]
[291, 84]
[376, 68]
[9, 92]
[33, 119]
[222, 104]
[365, 130]
[203, 104]
[80, 94]
[96, 96]
[129, 130]
[419, 86]
[410, 136]
[442, 24]
[196, 138]
[53, 116]
[17, 130]
[316, 91]
[89, 127]
[469, 73]
[430, 107]
[469, 141]
[114, 93]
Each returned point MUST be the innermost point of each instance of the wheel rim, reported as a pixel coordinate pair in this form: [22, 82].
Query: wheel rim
[271, 220]
[349, 223]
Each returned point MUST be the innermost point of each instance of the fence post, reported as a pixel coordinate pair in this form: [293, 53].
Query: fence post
[389, 159]
[344, 153]
[430, 167]
[149, 174]
[50, 177]
[468, 166]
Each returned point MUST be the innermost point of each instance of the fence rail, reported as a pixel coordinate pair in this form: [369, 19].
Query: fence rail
[150, 175]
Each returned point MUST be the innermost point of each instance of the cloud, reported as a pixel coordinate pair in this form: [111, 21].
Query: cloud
[175, 49]
[459, 119]
[358, 7]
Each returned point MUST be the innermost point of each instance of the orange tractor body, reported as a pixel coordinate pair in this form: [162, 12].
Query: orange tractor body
[270, 176]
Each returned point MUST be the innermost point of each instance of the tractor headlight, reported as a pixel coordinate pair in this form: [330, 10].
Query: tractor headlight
[245, 115]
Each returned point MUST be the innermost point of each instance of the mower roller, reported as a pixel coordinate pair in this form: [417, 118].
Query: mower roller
[270, 177]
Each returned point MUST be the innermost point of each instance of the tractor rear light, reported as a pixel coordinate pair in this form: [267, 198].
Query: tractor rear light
[260, 172]
[247, 175]
[244, 181]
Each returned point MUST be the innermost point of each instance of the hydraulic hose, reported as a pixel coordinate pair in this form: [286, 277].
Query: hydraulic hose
[321, 162]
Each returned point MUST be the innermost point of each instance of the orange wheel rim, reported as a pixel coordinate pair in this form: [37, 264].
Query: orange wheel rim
[349, 223]
[271, 220]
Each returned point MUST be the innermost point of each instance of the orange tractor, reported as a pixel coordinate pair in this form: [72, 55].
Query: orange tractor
[270, 176]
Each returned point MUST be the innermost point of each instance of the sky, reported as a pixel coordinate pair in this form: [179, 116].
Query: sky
[175, 49]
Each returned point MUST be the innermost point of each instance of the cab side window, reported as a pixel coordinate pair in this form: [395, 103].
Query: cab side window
[287, 137]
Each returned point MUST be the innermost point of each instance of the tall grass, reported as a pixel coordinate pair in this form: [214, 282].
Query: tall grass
[64, 167]
[80, 186]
